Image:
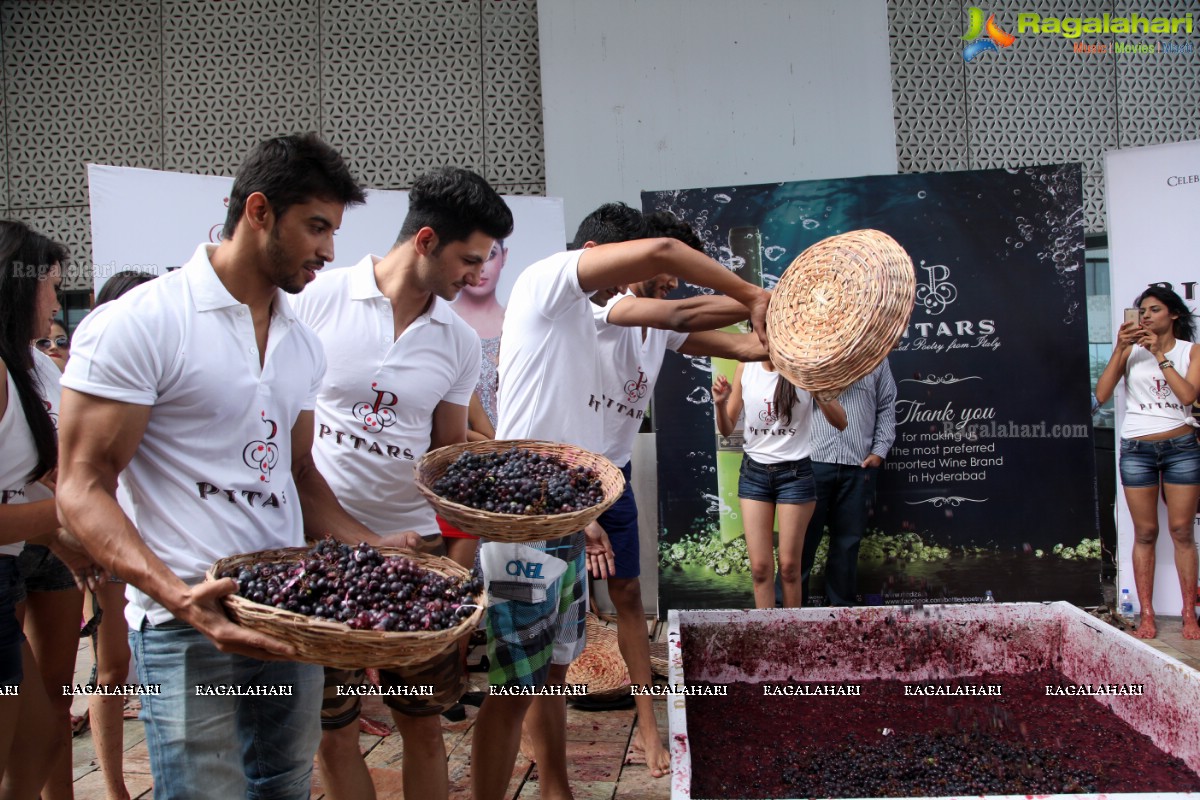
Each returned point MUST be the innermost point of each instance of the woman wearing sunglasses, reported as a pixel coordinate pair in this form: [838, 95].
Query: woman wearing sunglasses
[57, 346]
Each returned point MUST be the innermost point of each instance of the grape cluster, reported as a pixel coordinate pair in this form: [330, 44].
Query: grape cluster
[362, 588]
[939, 765]
[518, 481]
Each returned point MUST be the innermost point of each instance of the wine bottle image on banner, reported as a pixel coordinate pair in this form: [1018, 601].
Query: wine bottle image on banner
[745, 243]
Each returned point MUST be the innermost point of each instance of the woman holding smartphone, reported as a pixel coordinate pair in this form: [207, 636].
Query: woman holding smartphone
[776, 472]
[1159, 452]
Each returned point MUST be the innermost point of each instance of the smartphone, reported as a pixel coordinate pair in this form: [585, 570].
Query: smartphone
[1132, 315]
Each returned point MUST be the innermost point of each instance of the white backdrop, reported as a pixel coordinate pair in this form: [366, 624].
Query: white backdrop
[152, 221]
[1153, 196]
[687, 93]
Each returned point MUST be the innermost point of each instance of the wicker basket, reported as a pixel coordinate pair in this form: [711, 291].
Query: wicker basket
[600, 665]
[839, 309]
[517, 527]
[659, 664]
[334, 644]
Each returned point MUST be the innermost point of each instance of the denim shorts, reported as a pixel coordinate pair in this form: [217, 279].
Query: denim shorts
[42, 571]
[788, 482]
[1145, 463]
[11, 637]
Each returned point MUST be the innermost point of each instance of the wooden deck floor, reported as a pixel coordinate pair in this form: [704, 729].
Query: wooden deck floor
[603, 763]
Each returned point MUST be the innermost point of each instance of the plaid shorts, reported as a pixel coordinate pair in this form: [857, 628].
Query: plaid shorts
[446, 675]
[532, 624]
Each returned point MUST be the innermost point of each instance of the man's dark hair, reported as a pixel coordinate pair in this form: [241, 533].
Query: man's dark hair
[666, 225]
[611, 222]
[291, 170]
[455, 202]
[120, 283]
[26, 260]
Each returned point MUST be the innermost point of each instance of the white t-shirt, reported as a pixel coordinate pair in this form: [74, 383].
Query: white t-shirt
[629, 368]
[212, 476]
[550, 385]
[767, 440]
[1150, 405]
[374, 413]
[18, 454]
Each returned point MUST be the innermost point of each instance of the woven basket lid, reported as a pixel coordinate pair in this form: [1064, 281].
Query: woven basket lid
[839, 309]
[600, 665]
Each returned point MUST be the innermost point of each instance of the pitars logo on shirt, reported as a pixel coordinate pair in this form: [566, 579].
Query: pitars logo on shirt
[263, 454]
[771, 415]
[378, 413]
[636, 389]
[1159, 388]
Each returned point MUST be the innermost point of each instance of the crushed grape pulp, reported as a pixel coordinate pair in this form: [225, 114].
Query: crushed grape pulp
[748, 745]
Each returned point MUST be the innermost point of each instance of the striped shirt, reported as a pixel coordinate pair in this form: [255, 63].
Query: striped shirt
[870, 404]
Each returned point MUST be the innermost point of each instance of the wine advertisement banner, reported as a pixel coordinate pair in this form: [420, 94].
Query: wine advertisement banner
[990, 485]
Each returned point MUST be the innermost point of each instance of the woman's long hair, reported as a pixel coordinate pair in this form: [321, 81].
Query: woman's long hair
[1184, 326]
[26, 259]
[785, 398]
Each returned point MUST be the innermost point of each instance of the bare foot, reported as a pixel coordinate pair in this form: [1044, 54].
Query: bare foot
[527, 746]
[1190, 629]
[658, 760]
[1147, 629]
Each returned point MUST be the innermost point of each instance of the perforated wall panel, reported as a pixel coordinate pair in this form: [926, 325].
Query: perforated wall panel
[512, 97]
[927, 87]
[80, 83]
[72, 226]
[191, 85]
[400, 86]
[1038, 101]
[1159, 94]
[236, 72]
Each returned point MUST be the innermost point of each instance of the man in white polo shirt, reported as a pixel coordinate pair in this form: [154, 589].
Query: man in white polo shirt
[402, 366]
[197, 389]
[551, 388]
[631, 357]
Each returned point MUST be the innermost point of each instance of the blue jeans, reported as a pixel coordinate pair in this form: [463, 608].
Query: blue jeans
[202, 746]
[845, 495]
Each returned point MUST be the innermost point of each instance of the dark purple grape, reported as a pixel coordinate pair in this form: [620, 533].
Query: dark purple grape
[516, 481]
[360, 587]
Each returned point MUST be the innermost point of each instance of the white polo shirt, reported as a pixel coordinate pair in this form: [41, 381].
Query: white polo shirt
[18, 453]
[374, 413]
[550, 385]
[629, 367]
[212, 476]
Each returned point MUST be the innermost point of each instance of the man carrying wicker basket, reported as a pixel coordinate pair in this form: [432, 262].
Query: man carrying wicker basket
[633, 345]
[402, 366]
[198, 389]
[551, 388]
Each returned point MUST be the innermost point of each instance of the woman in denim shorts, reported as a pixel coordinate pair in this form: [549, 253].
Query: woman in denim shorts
[776, 472]
[30, 273]
[1159, 364]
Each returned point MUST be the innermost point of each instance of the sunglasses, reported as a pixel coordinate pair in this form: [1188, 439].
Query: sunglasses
[61, 342]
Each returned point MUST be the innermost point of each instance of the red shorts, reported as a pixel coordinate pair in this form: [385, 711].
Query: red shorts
[451, 532]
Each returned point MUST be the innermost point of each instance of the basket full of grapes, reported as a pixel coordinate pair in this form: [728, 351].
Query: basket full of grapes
[354, 607]
[518, 490]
